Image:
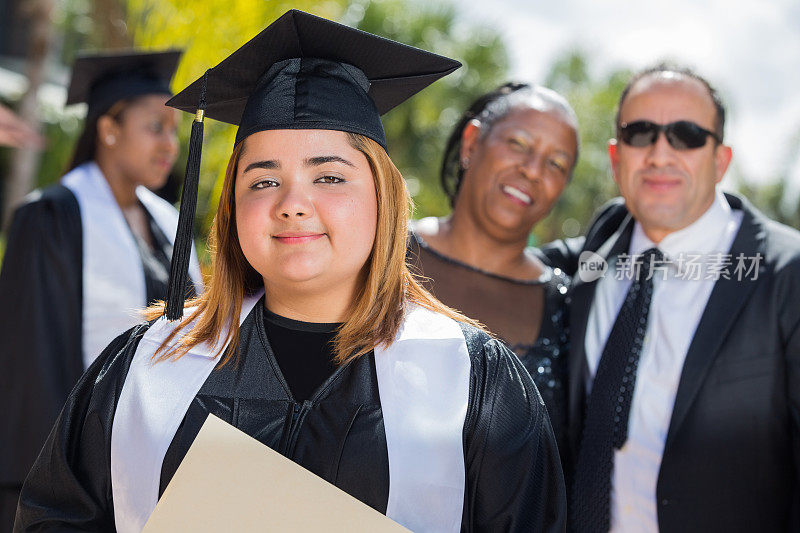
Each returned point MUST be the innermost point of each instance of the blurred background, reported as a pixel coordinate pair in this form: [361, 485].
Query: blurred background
[585, 50]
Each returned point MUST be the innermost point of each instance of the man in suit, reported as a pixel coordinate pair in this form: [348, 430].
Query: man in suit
[685, 367]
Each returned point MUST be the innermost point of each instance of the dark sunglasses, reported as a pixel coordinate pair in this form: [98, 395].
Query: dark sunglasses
[681, 135]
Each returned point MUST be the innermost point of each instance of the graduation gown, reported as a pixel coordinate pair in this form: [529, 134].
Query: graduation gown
[507, 475]
[72, 276]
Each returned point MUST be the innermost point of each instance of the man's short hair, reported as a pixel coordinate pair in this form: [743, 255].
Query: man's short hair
[719, 106]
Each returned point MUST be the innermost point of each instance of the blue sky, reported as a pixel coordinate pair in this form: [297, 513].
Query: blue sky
[749, 49]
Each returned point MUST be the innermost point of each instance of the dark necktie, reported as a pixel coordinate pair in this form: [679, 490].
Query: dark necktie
[608, 406]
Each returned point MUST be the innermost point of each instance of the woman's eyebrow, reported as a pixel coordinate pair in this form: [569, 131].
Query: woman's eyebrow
[266, 165]
[322, 159]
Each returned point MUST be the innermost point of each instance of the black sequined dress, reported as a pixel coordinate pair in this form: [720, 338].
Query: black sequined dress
[528, 315]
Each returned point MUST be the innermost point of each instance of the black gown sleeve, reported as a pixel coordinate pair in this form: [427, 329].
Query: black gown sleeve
[40, 325]
[69, 486]
[514, 477]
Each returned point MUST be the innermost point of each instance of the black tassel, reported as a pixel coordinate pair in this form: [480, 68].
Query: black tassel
[182, 249]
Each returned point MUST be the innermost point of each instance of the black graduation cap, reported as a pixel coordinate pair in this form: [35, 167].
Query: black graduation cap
[301, 72]
[101, 80]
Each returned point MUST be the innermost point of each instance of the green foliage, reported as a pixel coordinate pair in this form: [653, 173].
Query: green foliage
[777, 198]
[417, 129]
[61, 131]
[78, 29]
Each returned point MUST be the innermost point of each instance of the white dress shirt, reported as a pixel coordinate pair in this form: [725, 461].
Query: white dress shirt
[680, 294]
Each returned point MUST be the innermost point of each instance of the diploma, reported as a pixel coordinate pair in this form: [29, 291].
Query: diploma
[229, 481]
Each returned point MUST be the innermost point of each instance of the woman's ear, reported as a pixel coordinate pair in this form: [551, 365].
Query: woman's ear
[469, 141]
[108, 131]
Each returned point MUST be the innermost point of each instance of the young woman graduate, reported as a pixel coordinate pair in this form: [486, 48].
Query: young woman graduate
[312, 336]
[85, 254]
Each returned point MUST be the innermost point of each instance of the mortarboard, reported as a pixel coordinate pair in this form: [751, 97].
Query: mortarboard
[301, 72]
[101, 80]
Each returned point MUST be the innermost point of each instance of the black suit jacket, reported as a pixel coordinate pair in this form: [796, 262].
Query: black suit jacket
[732, 455]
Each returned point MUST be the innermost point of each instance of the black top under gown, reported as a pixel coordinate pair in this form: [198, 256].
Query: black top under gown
[530, 316]
[41, 349]
[303, 351]
[513, 474]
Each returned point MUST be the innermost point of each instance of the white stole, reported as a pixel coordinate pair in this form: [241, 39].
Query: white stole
[113, 278]
[423, 382]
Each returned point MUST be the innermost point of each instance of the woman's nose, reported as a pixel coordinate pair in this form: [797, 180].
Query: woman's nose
[295, 202]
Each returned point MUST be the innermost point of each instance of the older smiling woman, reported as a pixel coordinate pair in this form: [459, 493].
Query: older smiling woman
[506, 163]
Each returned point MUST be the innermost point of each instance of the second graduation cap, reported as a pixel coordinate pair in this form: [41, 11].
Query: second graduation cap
[102, 79]
[301, 72]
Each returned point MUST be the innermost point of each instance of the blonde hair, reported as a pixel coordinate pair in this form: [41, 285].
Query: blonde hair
[379, 307]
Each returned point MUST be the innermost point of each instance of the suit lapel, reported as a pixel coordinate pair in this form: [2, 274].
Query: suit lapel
[724, 304]
[582, 296]
[580, 303]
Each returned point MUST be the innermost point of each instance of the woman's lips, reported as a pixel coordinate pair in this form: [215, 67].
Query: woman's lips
[517, 195]
[297, 238]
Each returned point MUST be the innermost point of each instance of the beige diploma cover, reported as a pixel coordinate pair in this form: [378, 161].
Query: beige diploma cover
[229, 481]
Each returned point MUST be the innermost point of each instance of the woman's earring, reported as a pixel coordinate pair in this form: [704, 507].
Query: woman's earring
[110, 139]
[465, 163]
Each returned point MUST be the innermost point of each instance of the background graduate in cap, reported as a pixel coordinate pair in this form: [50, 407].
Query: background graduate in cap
[312, 336]
[85, 254]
